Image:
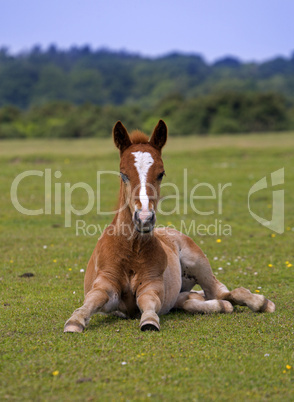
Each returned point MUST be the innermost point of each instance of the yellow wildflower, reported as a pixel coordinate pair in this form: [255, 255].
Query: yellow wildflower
[219, 240]
[55, 373]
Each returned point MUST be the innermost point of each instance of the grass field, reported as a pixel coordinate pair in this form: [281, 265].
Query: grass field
[238, 357]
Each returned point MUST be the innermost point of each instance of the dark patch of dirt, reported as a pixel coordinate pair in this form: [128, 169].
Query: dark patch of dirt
[85, 379]
[26, 275]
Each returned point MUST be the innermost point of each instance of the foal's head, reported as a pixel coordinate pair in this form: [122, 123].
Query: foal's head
[141, 170]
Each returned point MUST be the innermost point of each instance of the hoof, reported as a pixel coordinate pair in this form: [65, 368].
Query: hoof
[149, 321]
[271, 307]
[268, 307]
[226, 306]
[73, 327]
[149, 326]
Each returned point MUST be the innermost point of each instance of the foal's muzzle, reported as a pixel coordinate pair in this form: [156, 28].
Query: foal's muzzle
[144, 221]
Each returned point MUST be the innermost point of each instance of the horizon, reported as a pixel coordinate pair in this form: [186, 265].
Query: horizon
[129, 52]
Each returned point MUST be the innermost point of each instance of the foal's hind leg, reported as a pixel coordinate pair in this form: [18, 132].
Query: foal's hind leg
[213, 289]
[196, 265]
[243, 297]
[194, 302]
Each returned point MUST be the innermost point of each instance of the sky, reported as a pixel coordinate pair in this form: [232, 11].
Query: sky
[251, 30]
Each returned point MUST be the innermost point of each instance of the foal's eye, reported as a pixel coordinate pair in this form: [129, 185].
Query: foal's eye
[124, 177]
[160, 176]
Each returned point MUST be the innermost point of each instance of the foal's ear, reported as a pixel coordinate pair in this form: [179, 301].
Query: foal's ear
[159, 136]
[121, 137]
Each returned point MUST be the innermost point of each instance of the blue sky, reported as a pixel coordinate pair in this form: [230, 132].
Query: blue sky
[248, 29]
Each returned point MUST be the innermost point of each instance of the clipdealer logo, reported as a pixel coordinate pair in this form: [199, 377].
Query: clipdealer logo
[179, 199]
[277, 223]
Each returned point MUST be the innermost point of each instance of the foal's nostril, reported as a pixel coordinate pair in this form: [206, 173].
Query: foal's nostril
[152, 218]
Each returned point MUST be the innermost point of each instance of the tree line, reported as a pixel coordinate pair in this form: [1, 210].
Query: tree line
[80, 93]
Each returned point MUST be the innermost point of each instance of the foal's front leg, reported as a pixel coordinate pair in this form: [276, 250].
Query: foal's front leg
[149, 301]
[101, 296]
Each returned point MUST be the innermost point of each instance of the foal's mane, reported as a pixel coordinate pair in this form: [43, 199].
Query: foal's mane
[137, 137]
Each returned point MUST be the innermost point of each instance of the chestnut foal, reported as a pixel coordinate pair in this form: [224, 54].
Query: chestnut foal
[138, 269]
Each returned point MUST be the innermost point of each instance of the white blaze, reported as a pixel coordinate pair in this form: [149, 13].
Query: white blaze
[143, 161]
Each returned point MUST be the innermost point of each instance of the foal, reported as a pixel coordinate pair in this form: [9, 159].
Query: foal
[136, 269]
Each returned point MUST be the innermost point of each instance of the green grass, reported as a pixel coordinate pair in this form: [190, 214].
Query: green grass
[241, 356]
